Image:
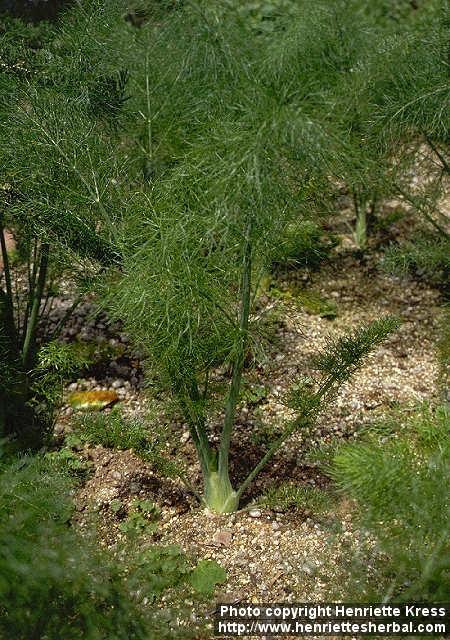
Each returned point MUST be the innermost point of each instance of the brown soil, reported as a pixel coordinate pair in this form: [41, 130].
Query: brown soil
[272, 556]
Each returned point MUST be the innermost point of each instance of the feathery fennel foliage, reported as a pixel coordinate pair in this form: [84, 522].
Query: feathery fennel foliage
[176, 155]
[402, 486]
[47, 584]
[411, 117]
[59, 190]
[427, 255]
[242, 160]
[392, 101]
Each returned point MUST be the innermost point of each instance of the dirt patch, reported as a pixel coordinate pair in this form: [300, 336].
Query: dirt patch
[273, 556]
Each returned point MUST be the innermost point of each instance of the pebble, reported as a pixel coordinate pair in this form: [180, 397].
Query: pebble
[135, 487]
[58, 429]
[254, 513]
[306, 568]
[278, 509]
[222, 538]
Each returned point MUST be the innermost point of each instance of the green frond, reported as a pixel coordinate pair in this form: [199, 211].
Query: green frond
[342, 357]
[401, 483]
[426, 255]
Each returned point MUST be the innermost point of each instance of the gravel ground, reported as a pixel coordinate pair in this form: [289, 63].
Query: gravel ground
[271, 556]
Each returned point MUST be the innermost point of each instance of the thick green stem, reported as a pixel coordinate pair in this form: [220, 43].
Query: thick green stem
[30, 335]
[204, 451]
[238, 365]
[200, 442]
[219, 495]
[361, 230]
[198, 422]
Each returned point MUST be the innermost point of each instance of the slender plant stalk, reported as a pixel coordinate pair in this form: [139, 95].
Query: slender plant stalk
[32, 273]
[149, 113]
[233, 396]
[199, 418]
[197, 429]
[361, 222]
[6, 269]
[434, 148]
[65, 317]
[48, 302]
[425, 214]
[17, 302]
[296, 424]
[30, 335]
[205, 386]
[271, 451]
[338, 370]
[48, 305]
[204, 459]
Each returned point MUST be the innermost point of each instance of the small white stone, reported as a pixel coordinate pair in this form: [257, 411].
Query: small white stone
[254, 513]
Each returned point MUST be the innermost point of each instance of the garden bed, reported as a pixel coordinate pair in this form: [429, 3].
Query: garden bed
[278, 554]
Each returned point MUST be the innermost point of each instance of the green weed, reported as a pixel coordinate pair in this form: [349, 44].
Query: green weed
[401, 482]
[142, 517]
[301, 498]
[54, 582]
[113, 430]
[145, 437]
